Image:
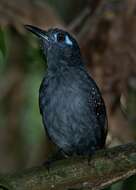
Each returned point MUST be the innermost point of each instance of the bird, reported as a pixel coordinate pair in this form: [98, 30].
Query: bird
[71, 105]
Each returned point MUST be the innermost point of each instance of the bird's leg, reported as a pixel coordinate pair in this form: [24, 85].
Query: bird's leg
[90, 156]
[58, 155]
[89, 159]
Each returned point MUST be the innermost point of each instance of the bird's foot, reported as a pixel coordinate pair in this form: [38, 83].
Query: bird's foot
[89, 159]
[56, 156]
[47, 164]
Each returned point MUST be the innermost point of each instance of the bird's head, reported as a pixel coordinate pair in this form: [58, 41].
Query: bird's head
[57, 45]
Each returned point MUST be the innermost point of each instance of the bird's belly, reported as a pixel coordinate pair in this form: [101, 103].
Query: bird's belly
[68, 123]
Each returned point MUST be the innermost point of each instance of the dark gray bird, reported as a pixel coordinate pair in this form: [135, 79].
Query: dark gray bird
[71, 104]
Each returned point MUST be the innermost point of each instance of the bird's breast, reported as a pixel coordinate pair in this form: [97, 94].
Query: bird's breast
[64, 97]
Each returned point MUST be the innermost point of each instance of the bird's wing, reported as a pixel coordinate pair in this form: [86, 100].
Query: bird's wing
[97, 105]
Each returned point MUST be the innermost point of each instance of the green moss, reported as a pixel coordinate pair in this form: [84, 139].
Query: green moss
[132, 158]
[100, 166]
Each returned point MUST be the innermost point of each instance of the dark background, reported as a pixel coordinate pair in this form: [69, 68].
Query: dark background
[105, 31]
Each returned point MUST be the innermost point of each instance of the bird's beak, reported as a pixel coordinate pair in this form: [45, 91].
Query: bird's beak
[38, 32]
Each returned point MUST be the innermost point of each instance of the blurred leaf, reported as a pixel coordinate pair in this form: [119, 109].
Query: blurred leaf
[3, 48]
[1, 59]
[35, 59]
[117, 186]
[31, 119]
[2, 42]
[129, 184]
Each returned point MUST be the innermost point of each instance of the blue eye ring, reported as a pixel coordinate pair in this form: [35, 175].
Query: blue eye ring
[61, 37]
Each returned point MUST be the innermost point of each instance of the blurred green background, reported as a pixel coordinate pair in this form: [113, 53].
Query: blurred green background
[106, 35]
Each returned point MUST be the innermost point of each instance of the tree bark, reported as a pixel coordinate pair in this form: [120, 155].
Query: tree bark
[105, 168]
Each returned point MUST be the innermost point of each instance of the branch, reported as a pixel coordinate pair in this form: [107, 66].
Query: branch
[88, 11]
[105, 168]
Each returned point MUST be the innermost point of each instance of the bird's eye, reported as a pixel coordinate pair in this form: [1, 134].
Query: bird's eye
[60, 37]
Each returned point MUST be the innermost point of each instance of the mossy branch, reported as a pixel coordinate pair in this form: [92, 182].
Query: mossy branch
[106, 167]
